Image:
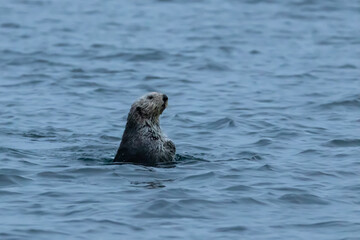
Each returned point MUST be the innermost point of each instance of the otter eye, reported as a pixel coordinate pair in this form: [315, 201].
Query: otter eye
[150, 97]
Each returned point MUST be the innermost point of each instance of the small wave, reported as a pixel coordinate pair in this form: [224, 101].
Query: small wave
[355, 187]
[249, 155]
[191, 113]
[303, 199]
[266, 167]
[227, 49]
[110, 138]
[262, 142]
[346, 104]
[347, 66]
[221, 123]
[343, 66]
[77, 70]
[9, 180]
[114, 223]
[31, 61]
[153, 165]
[82, 76]
[34, 231]
[49, 174]
[102, 45]
[89, 170]
[343, 143]
[10, 25]
[320, 174]
[349, 103]
[196, 202]
[37, 134]
[30, 83]
[254, 51]
[201, 176]
[217, 67]
[286, 134]
[85, 83]
[250, 200]
[146, 55]
[188, 159]
[238, 188]
[231, 229]
[8, 193]
[297, 76]
[149, 185]
[151, 77]
[289, 189]
[309, 152]
[105, 70]
[53, 194]
[36, 76]
[17, 153]
[63, 44]
[326, 224]
[346, 173]
[318, 225]
[107, 91]
[167, 209]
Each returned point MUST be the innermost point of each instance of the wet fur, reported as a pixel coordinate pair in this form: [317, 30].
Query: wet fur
[143, 141]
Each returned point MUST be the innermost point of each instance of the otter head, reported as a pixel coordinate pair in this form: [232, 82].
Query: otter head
[148, 107]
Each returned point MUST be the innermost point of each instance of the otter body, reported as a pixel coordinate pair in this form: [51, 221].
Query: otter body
[143, 141]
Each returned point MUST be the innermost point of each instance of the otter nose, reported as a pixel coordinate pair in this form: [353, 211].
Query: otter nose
[165, 98]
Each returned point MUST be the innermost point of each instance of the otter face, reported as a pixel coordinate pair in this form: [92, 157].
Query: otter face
[150, 105]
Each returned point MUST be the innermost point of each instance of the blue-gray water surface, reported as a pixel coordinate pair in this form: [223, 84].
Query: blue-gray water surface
[264, 108]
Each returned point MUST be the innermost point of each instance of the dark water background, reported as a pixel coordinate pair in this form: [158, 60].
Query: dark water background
[264, 108]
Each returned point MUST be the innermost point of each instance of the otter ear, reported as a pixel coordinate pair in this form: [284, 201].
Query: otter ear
[138, 109]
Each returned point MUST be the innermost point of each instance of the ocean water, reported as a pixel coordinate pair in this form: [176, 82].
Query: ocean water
[264, 108]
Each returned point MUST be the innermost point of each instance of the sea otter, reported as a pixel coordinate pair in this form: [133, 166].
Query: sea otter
[143, 142]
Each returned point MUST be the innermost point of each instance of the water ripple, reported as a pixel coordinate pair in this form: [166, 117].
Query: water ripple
[263, 109]
[343, 143]
[303, 199]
